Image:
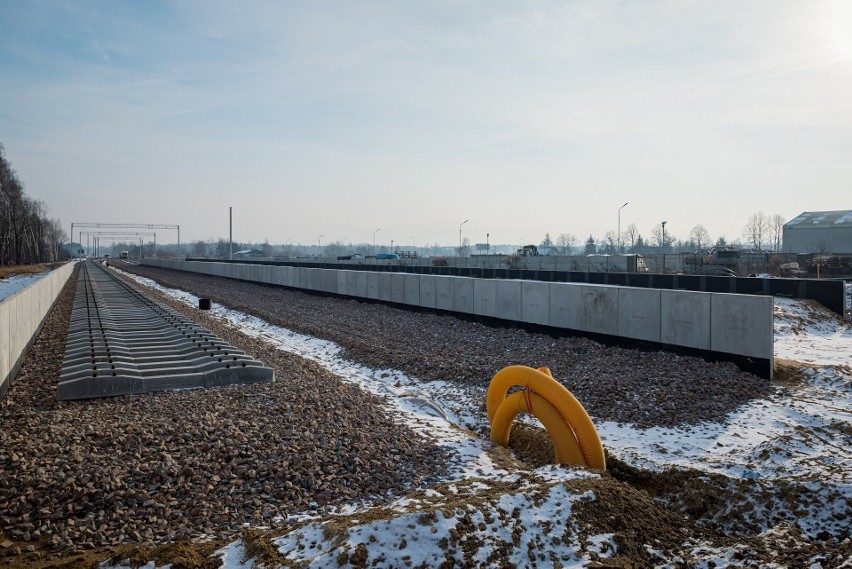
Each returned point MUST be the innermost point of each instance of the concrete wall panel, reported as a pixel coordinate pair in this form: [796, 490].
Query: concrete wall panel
[639, 313]
[373, 285]
[21, 315]
[428, 296]
[307, 279]
[742, 325]
[508, 300]
[444, 299]
[412, 289]
[16, 324]
[685, 318]
[361, 284]
[5, 347]
[463, 295]
[342, 282]
[385, 287]
[329, 281]
[397, 287]
[535, 302]
[485, 297]
[598, 309]
[564, 305]
[279, 275]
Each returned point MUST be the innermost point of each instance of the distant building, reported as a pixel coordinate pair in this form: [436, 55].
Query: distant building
[819, 232]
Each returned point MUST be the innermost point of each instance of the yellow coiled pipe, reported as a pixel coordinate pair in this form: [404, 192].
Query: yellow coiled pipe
[575, 438]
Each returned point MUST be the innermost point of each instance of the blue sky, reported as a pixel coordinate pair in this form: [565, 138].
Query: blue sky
[337, 118]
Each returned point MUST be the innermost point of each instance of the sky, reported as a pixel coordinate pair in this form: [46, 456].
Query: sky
[325, 121]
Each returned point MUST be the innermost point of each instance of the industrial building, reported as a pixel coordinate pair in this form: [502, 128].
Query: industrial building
[819, 232]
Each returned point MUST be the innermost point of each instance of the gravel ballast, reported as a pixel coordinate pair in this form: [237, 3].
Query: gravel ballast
[208, 463]
[191, 464]
[645, 388]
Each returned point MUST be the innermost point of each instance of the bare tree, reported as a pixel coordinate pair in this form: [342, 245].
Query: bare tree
[54, 237]
[566, 243]
[661, 238]
[776, 232]
[610, 241]
[700, 236]
[630, 234]
[756, 229]
[26, 234]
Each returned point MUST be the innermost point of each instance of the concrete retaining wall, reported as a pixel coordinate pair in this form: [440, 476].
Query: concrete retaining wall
[735, 324]
[21, 318]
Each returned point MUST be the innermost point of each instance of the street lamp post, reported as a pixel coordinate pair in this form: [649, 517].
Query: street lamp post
[620, 245]
[460, 235]
[374, 240]
[663, 245]
[487, 244]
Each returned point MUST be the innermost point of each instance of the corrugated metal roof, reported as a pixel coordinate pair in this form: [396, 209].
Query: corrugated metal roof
[818, 219]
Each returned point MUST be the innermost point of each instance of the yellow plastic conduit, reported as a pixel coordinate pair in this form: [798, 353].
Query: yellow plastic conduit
[575, 438]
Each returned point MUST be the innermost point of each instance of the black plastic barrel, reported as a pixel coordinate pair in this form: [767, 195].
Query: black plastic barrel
[204, 303]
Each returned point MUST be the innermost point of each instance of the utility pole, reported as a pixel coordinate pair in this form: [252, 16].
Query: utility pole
[230, 233]
[620, 246]
[460, 236]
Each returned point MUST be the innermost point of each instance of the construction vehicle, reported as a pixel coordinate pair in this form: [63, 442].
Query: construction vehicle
[528, 251]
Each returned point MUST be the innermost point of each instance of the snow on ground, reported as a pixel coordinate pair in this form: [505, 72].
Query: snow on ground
[17, 283]
[804, 334]
[800, 435]
[415, 531]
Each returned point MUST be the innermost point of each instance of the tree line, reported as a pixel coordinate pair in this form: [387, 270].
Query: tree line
[27, 236]
[762, 232]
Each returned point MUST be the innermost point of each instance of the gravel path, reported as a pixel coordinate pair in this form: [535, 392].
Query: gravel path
[202, 463]
[646, 388]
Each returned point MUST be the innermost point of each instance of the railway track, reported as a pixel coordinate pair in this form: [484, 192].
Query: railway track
[122, 342]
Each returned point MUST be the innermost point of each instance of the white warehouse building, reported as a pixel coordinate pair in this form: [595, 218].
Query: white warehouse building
[819, 232]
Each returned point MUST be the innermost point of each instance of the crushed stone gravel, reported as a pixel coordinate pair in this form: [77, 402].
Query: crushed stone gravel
[645, 388]
[191, 464]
